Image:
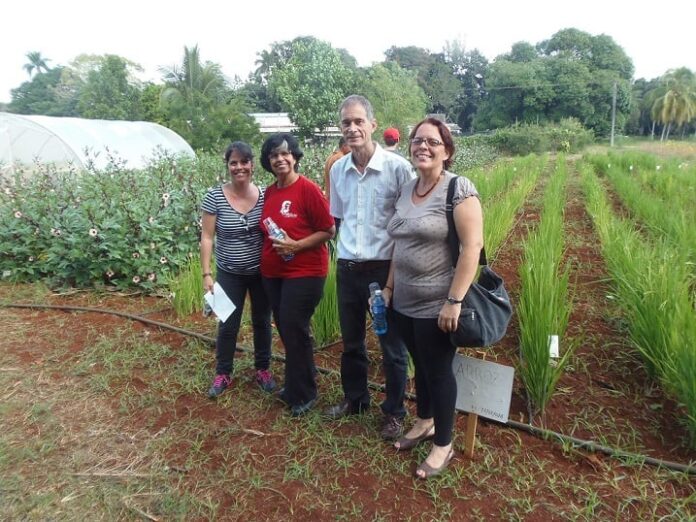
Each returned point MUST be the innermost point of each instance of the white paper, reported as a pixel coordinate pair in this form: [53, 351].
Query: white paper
[220, 303]
[553, 346]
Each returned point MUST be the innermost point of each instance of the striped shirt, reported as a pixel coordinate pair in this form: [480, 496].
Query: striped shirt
[238, 237]
[365, 203]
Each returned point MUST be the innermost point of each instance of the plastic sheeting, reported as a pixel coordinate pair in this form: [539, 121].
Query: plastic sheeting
[27, 139]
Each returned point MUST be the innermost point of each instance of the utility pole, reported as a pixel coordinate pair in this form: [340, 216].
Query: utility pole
[613, 115]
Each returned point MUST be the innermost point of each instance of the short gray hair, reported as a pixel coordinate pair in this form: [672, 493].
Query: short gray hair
[356, 99]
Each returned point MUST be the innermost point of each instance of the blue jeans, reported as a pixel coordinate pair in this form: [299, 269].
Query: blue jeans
[236, 288]
[293, 301]
[353, 294]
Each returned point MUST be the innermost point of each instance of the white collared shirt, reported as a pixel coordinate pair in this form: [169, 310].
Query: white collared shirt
[365, 203]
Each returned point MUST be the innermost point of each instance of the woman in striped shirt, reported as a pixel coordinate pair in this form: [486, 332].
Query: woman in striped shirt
[231, 215]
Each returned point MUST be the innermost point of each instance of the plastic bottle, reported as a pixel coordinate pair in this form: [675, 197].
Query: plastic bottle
[379, 310]
[275, 232]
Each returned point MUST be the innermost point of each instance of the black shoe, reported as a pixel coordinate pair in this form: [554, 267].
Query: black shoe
[280, 395]
[301, 409]
[392, 427]
[343, 409]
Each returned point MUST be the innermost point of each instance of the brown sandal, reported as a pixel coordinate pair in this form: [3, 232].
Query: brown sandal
[406, 443]
[429, 471]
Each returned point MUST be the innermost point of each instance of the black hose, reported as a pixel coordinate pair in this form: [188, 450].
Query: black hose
[533, 430]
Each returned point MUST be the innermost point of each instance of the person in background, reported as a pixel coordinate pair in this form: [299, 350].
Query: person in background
[391, 140]
[294, 268]
[342, 150]
[231, 216]
[364, 188]
[427, 290]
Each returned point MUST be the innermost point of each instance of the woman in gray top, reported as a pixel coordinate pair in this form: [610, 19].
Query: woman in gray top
[427, 291]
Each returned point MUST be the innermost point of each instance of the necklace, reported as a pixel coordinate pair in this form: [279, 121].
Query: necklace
[415, 189]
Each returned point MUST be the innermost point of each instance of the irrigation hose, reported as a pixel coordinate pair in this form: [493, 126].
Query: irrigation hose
[533, 430]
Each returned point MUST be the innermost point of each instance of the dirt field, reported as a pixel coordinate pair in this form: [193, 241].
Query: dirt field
[107, 419]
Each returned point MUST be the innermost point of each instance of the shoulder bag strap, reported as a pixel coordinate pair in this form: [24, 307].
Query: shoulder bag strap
[452, 238]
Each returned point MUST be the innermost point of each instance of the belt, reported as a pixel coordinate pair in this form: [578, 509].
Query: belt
[362, 266]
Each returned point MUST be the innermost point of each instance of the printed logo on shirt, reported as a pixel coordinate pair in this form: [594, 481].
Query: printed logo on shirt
[285, 209]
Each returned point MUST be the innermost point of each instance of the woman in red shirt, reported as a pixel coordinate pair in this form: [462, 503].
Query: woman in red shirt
[294, 268]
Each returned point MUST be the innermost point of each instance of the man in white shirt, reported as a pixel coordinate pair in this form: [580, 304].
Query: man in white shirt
[364, 187]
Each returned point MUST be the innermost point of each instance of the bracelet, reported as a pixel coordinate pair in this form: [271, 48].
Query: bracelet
[206, 274]
[389, 287]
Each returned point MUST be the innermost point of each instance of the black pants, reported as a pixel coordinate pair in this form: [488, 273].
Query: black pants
[236, 288]
[293, 302]
[353, 294]
[436, 386]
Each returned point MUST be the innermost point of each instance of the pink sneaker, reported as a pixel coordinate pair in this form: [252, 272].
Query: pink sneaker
[219, 385]
[264, 378]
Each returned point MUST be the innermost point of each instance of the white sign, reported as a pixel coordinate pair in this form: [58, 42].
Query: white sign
[553, 346]
[483, 387]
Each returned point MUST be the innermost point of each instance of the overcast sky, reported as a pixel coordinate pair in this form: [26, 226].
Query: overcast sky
[656, 37]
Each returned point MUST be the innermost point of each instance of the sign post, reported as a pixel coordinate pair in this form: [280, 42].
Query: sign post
[483, 388]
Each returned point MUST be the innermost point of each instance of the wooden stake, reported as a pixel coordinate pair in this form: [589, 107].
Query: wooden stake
[471, 425]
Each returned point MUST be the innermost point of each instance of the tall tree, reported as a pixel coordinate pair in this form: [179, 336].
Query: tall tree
[394, 92]
[36, 63]
[677, 106]
[109, 93]
[53, 93]
[312, 84]
[195, 98]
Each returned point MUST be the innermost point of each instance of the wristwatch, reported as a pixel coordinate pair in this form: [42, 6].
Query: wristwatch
[452, 300]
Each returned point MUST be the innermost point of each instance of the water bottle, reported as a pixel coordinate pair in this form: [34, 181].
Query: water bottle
[275, 232]
[379, 310]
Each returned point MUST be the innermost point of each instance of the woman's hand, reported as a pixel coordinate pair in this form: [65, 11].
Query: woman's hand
[387, 295]
[208, 283]
[286, 246]
[449, 317]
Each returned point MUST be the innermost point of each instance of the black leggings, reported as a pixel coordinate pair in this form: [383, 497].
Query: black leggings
[293, 302]
[436, 387]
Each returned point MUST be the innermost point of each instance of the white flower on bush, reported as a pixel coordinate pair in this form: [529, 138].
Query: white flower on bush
[18, 214]
[136, 279]
[93, 232]
[186, 228]
[8, 191]
[136, 255]
[151, 220]
[31, 259]
[151, 276]
[164, 260]
[110, 274]
[630, 167]
[152, 246]
[658, 167]
[165, 197]
[56, 232]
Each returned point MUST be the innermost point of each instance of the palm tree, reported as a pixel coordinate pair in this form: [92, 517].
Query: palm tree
[36, 63]
[194, 81]
[676, 104]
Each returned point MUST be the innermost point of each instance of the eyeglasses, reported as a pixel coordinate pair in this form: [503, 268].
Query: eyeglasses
[432, 142]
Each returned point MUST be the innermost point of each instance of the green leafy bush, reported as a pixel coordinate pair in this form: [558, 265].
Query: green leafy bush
[521, 139]
[120, 226]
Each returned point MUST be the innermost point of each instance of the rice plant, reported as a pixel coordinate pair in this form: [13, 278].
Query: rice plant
[186, 288]
[544, 307]
[653, 283]
[325, 324]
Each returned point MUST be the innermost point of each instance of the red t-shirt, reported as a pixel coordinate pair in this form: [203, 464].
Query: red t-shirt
[300, 209]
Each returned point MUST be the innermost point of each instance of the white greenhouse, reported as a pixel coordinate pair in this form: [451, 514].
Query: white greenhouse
[25, 140]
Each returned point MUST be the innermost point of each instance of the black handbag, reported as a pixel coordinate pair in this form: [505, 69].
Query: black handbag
[486, 310]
